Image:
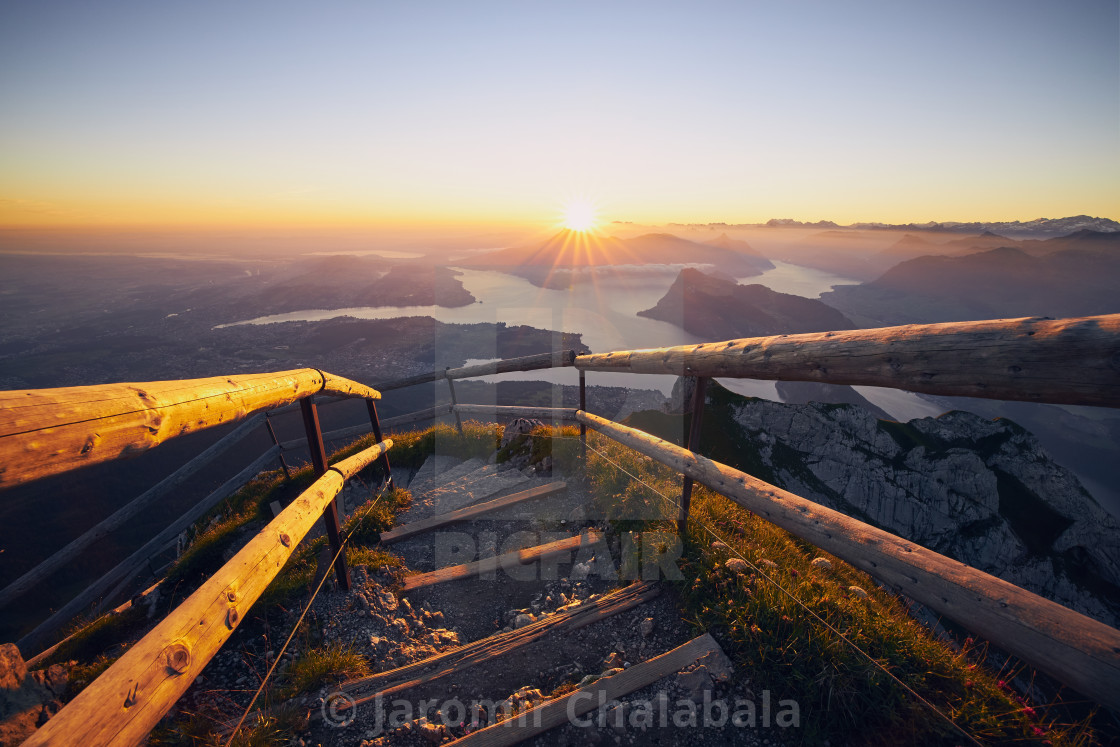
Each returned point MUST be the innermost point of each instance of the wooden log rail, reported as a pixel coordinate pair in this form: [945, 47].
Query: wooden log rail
[131, 696]
[48, 431]
[526, 363]
[1062, 361]
[1071, 647]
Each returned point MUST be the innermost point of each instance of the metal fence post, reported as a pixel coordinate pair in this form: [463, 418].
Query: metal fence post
[371, 408]
[276, 441]
[454, 402]
[583, 408]
[692, 443]
[319, 462]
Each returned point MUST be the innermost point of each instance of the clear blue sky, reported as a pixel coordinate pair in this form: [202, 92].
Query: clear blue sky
[355, 113]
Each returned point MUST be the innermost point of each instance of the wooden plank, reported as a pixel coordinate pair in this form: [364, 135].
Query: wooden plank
[69, 552]
[1063, 361]
[127, 568]
[1067, 645]
[488, 649]
[524, 363]
[515, 411]
[506, 560]
[558, 711]
[48, 431]
[463, 514]
[131, 696]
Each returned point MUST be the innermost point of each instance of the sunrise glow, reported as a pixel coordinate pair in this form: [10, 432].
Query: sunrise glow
[580, 215]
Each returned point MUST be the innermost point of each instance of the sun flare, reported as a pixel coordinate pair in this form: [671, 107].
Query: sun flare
[579, 215]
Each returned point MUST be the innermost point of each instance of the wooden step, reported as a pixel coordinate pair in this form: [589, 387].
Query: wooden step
[506, 560]
[559, 711]
[463, 514]
[499, 644]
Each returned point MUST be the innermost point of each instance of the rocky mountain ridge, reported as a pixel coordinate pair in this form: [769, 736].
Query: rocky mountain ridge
[981, 491]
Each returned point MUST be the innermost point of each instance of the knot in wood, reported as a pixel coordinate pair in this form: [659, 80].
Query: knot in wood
[231, 617]
[178, 657]
[285, 540]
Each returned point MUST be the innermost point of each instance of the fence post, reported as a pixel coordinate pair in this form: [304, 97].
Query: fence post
[454, 402]
[583, 407]
[319, 462]
[276, 441]
[371, 408]
[692, 443]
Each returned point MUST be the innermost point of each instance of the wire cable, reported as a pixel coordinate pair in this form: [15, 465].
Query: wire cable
[311, 601]
[799, 603]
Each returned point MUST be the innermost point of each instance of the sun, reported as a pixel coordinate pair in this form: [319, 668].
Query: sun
[580, 215]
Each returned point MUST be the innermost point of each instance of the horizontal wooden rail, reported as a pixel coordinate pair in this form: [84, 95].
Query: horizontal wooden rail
[66, 555]
[506, 365]
[1063, 361]
[429, 414]
[100, 591]
[516, 411]
[130, 697]
[1071, 647]
[47, 431]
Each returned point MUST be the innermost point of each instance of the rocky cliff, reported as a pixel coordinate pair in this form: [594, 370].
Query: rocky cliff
[981, 491]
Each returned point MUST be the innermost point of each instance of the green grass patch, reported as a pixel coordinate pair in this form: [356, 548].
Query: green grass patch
[777, 644]
[322, 665]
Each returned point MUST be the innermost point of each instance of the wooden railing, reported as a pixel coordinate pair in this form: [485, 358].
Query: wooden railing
[45, 432]
[130, 697]
[1069, 361]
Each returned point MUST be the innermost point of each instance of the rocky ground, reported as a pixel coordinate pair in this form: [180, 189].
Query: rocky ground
[392, 629]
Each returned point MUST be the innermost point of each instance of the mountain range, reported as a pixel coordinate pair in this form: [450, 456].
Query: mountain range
[1077, 275]
[566, 257]
[715, 308]
[1038, 229]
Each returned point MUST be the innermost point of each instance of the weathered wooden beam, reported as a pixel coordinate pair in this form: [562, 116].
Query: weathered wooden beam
[1063, 361]
[130, 566]
[464, 514]
[502, 412]
[454, 661]
[560, 711]
[131, 696]
[47, 431]
[524, 363]
[68, 553]
[1067, 645]
[500, 644]
[494, 563]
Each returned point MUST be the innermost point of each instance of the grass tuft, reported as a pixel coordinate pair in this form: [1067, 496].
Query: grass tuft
[330, 664]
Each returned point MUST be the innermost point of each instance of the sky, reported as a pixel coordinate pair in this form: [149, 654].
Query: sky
[346, 115]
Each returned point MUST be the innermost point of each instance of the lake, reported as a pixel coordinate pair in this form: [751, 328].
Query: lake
[603, 310]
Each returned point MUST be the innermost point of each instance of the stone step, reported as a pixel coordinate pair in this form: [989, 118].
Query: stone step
[433, 465]
[483, 482]
[445, 477]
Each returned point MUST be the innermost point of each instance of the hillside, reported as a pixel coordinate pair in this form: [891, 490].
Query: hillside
[981, 491]
[714, 308]
[784, 603]
[1072, 277]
